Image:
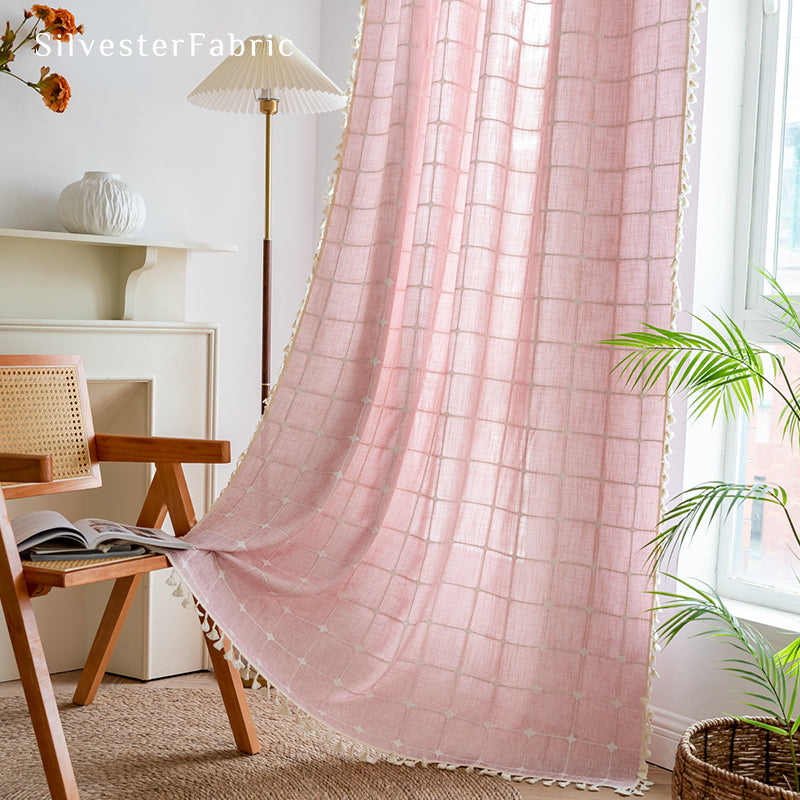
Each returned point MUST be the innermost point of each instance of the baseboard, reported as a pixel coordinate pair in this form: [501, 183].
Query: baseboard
[668, 727]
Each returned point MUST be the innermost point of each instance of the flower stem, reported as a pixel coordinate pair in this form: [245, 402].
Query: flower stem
[21, 80]
[31, 34]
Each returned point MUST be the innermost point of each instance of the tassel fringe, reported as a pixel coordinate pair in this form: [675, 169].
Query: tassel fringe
[689, 138]
[344, 745]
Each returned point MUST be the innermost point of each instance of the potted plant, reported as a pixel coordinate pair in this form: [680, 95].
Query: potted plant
[722, 373]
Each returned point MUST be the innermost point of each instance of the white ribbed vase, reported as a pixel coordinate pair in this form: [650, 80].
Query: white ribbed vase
[101, 203]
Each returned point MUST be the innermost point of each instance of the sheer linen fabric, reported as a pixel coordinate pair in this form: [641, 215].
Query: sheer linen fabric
[433, 542]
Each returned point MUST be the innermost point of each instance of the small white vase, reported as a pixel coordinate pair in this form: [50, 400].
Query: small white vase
[101, 203]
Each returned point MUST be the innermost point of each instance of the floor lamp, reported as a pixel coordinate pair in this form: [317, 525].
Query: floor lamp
[265, 74]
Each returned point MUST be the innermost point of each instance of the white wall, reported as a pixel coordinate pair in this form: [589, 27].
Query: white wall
[339, 22]
[201, 172]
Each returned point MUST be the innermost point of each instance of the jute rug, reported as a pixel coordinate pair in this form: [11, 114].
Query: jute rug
[149, 744]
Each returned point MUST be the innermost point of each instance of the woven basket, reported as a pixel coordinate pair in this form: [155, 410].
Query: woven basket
[722, 759]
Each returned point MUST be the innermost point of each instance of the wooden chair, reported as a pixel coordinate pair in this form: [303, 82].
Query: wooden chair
[47, 445]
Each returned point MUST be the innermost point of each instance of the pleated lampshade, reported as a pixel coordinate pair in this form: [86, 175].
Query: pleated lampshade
[268, 67]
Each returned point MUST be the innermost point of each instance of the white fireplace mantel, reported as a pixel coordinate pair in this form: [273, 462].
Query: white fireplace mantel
[120, 303]
[53, 274]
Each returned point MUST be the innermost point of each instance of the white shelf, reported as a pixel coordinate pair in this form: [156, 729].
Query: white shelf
[85, 276]
[115, 241]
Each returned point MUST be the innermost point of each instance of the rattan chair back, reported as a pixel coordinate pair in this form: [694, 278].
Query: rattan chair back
[44, 410]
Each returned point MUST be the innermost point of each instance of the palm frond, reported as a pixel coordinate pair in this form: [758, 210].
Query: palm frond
[697, 507]
[717, 368]
[721, 373]
[766, 726]
[783, 307]
[790, 413]
[773, 693]
[794, 344]
[789, 657]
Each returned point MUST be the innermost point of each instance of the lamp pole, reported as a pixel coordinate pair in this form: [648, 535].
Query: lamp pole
[234, 85]
[268, 107]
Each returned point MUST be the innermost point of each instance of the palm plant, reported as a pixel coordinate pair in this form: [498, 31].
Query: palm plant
[722, 373]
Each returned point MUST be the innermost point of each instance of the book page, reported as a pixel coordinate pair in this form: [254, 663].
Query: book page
[97, 531]
[39, 526]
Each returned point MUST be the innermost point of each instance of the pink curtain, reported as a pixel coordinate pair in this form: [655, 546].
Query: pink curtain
[433, 542]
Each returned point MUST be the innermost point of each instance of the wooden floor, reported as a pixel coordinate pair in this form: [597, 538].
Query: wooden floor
[66, 681]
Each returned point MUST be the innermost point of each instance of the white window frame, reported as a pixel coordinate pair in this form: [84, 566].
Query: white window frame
[756, 241]
[755, 244]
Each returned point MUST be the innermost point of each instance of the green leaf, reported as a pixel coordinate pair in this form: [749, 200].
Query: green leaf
[720, 371]
[695, 508]
[765, 725]
[758, 665]
[789, 657]
[782, 304]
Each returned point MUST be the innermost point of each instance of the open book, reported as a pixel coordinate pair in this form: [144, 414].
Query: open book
[48, 535]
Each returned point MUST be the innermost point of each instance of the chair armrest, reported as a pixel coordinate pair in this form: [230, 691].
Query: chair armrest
[17, 468]
[113, 447]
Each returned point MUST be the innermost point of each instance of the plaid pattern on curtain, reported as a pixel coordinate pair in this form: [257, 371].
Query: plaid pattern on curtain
[433, 543]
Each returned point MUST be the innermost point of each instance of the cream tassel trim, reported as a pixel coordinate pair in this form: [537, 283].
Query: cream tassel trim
[689, 138]
[343, 744]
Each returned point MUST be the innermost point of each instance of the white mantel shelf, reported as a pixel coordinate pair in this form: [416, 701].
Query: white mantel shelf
[115, 241]
[73, 275]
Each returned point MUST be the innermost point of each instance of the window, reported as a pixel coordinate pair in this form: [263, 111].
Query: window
[771, 192]
[759, 554]
[755, 555]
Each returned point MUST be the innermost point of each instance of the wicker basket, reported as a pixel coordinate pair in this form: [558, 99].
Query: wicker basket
[722, 759]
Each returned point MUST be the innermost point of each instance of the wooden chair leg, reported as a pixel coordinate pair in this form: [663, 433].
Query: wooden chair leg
[29, 654]
[41, 701]
[105, 639]
[154, 509]
[152, 515]
[232, 691]
[175, 492]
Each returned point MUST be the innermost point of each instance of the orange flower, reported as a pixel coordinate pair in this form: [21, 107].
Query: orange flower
[63, 27]
[60, 24]
[44, 13]
[55, 92]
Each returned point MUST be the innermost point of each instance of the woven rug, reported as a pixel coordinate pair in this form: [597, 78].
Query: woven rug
[148, 744]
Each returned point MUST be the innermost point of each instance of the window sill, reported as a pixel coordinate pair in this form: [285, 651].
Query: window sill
[773, 619]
